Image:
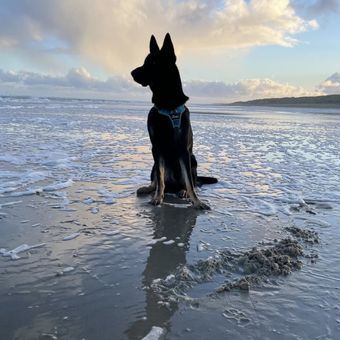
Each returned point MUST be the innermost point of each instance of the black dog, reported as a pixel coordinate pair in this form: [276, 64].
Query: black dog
[175, 166]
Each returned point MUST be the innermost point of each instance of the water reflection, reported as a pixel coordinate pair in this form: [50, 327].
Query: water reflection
[174, 224]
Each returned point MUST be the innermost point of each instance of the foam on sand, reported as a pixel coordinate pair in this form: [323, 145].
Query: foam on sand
[156, 333]
[13, 254]
[71, 236]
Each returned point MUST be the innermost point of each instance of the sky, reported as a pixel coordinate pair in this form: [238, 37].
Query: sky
[227, 50]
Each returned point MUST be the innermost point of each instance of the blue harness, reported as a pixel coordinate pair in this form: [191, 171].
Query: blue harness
[175, 115]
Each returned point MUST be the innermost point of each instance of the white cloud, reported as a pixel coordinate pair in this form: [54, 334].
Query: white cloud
[79, 82]
[115, 33]
[245, 90]
[331, 85]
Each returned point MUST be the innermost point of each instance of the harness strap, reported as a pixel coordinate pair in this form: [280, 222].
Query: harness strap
[175, 115]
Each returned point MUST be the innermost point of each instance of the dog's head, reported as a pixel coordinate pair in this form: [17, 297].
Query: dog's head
[158, 64]
[160, 72]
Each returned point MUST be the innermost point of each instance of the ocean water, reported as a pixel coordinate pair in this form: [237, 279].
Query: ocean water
[81, 257]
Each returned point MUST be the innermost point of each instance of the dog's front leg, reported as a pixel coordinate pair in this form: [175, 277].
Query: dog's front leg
[185, 164]
[160, 181]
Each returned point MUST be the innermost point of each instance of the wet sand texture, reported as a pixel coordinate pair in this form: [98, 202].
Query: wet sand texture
[81, 257]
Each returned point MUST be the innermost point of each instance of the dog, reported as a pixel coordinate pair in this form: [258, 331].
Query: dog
[170, 132]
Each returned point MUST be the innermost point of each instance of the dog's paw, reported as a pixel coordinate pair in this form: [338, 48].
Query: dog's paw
[156, 201]
[183, 194]
[145, 190]
[202, 206]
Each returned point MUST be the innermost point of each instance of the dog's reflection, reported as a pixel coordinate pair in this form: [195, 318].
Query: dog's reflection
[174, 224]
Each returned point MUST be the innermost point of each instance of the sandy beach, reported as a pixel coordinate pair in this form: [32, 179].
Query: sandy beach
[81, 257]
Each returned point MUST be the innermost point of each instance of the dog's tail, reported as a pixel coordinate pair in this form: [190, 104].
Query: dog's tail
[201, 180]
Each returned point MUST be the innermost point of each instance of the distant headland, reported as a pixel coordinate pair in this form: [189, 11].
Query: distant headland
[327, 101]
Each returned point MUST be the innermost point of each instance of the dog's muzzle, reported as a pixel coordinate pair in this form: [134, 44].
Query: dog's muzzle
[138, 77]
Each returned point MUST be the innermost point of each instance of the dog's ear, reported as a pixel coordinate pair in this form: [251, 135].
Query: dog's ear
[168, 48]
[153, 45]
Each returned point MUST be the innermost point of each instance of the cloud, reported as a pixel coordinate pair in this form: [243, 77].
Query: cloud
[114, 33]
[78, 78]
[317, 8]
[331, 85]
[77, 82]
[245, 90]
[80, 83]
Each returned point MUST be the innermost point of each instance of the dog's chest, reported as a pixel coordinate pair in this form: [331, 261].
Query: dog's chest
[174, 116]
[167, 129]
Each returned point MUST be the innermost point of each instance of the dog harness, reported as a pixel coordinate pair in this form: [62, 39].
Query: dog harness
[175, 115]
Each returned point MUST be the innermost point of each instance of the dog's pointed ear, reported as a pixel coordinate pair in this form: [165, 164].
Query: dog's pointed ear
[153, 45]
[168, 47]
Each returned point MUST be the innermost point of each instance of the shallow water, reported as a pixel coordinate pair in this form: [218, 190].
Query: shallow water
[68, 174]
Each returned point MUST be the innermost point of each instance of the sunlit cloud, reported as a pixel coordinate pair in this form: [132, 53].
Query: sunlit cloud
[78, 82]
[246, 89]
[114, 33]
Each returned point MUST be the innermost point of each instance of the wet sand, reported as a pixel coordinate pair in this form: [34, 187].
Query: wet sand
[83, 283]
[101, 263]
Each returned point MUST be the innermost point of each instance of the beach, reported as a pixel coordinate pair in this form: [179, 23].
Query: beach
[81, 257]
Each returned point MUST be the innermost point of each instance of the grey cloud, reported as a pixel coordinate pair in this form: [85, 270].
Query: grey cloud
[77, 78]
[331, 85]
[325, 6]
[8, 76]
[317, 7]
[335, 77]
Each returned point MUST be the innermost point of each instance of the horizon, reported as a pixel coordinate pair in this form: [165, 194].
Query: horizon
[227, 51]
[147, 100]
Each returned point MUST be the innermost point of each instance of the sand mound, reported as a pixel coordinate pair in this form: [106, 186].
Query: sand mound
[305, 235]
[249, 269]
[257, 264]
